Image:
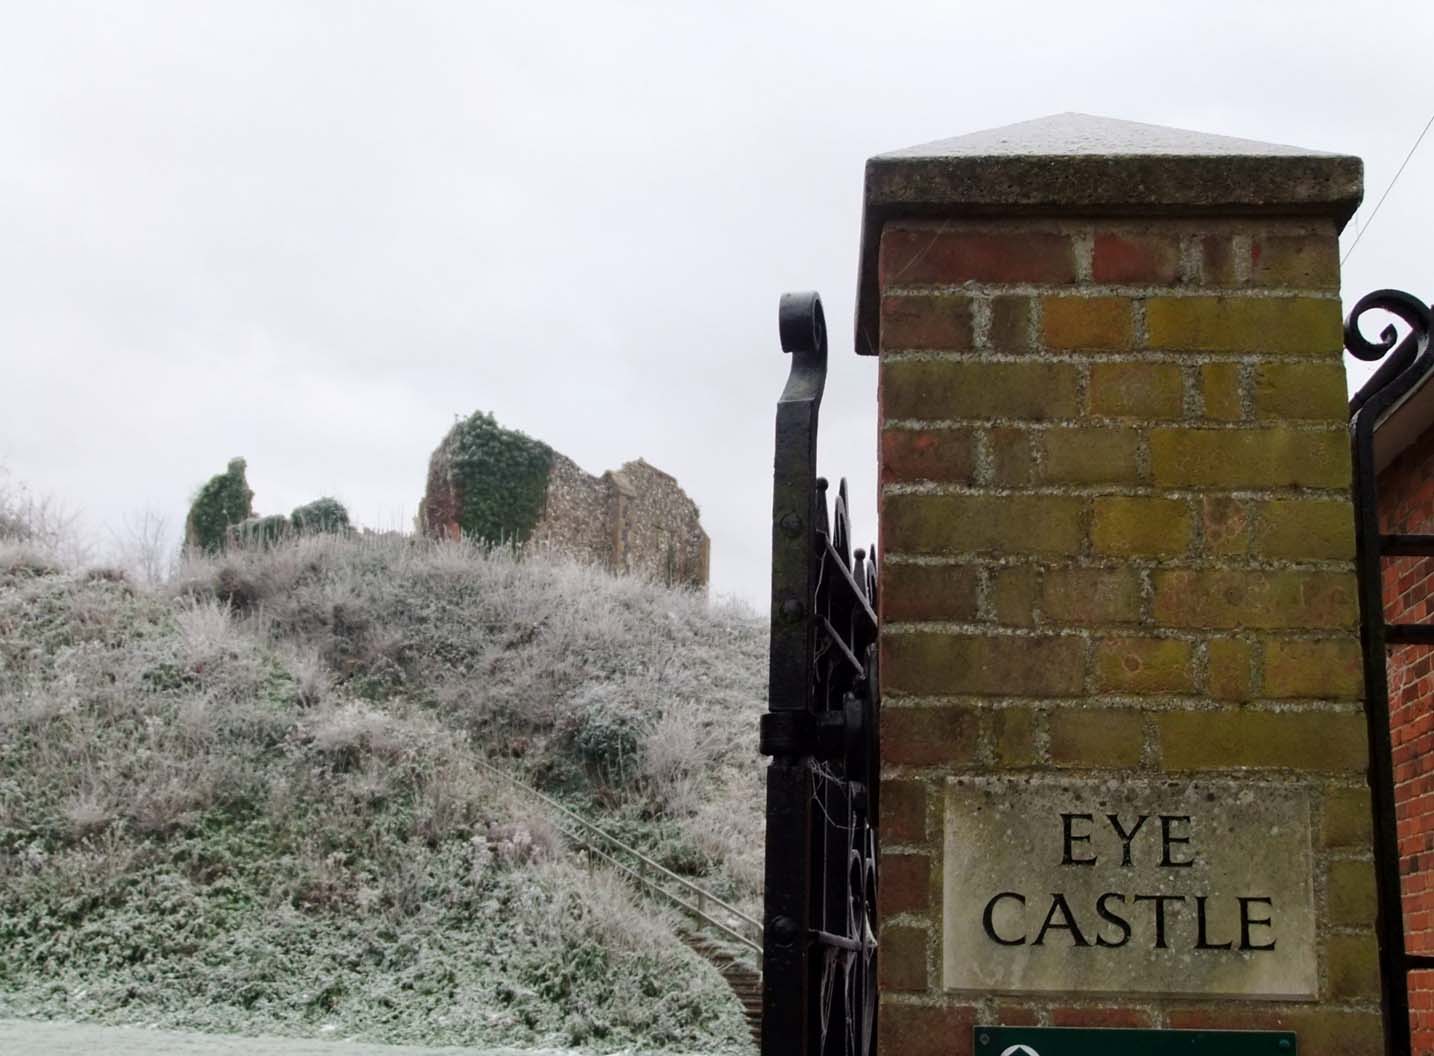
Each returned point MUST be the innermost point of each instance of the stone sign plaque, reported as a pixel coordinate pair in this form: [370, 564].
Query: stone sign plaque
[1128, 886]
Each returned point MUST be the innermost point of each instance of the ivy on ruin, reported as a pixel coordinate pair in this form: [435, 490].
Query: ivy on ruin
[500, 476]
[225, 500]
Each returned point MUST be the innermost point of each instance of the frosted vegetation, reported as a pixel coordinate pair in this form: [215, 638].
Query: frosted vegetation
[245, 799]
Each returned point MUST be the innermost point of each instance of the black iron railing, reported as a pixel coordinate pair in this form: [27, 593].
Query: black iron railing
[819, 925]
[1408, 362]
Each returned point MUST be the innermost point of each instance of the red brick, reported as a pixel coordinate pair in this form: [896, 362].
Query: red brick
[905, 884]
[928, 592]
[927, 736]
[947, 455]
[932, 253]
[1016, 1016]
[1099, 1017]
[925, 1030]
[1151, 259]
[939, 321]
[902, 965]
[903, 812]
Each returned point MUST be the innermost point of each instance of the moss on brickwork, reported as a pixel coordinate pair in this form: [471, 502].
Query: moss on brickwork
[226, 500]
[489, 481]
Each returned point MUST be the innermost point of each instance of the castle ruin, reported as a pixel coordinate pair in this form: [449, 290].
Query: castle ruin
[492, 483]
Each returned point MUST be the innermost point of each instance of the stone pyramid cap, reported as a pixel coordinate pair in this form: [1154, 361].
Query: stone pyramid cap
[1079, 165]
[1077, 135]
[1073, 160]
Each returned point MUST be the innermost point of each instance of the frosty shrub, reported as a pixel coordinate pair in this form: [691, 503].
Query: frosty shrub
[321, 515]
[42, 523]
[258, 531]
[607, 731]
[248, 799]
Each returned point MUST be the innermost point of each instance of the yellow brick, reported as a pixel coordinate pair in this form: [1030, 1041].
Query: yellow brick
[1353, 962]
[1013, 595]
[1302, 530]
[1089, 456]
[1348, 818]
[944, 389]
[1140, 525]
[1228, 669]
[1090, 596]
[1250, 458]
[1351, 893]
[1325, 668]
[1012, 460]
[1242, 739]
[1136, 390]
[1215, 599]
[1225, 525]
[1010, 324]
[1096, 737]
[1086, 322]
[1014, 733]
[931, 664]
[1310, 391]
[1143, 665]
[1030, 524]
[1280, 325]
[1309, 261]
[1220, 389]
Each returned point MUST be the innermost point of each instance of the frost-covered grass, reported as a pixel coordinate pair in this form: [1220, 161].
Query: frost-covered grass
[247, 801]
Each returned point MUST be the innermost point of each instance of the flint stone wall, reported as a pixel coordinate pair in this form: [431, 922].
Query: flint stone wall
[635, 519]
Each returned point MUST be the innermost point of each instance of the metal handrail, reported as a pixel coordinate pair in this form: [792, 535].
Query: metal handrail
[702, 894]
[688, 907]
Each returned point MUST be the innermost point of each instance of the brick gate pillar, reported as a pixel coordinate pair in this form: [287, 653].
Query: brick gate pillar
[1123, 744]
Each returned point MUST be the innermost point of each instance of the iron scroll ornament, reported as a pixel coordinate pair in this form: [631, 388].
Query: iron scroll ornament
[1407, 364]
[1414, 313]
[819, 959]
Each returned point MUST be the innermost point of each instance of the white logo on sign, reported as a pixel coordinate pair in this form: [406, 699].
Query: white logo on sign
[1020, 1050]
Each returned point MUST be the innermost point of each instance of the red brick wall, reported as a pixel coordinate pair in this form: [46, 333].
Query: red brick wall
[1117, 539]
[1406, 504]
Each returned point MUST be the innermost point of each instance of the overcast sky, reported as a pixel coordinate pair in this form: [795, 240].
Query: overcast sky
[311, 234]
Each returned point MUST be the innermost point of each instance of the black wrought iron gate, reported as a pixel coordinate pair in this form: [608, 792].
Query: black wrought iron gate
[1409, 362]
[819, 960]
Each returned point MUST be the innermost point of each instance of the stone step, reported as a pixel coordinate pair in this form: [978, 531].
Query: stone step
[745, 984]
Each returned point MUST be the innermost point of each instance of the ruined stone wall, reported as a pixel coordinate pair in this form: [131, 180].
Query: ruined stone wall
[574, 521]
[654, 526]
[635, 519]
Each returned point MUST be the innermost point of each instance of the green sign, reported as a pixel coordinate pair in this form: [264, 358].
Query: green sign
[1079, 1041]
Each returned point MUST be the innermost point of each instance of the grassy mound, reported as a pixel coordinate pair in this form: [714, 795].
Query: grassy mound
[249, 801]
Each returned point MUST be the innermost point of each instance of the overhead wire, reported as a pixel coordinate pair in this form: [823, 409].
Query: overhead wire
[1375, 212]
